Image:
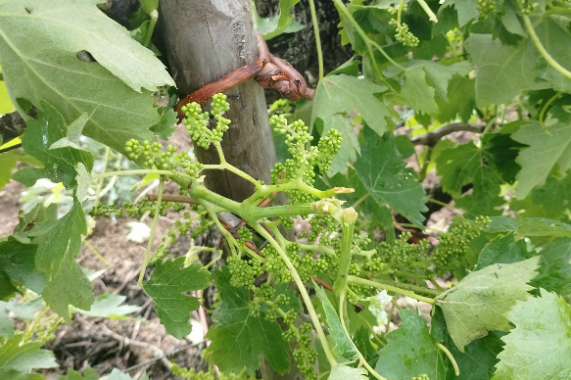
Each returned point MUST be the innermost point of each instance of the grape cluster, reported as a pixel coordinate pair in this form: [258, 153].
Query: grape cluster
[399, 255]
[266, 300]
[191, 374]
[304, 355]
[244, 272]
[156, 158]
[403, 34]
[197, 122]
[424, 376]
[528, 6]
[301, 164]
[245, 236]
[486, 7]
[321, 225]
[454, 245]
[134, 210]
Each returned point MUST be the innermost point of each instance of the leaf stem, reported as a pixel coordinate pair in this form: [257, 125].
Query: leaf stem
[543, 111]
[450, 357]
[140, 171]
[378, 285]
[153, 21]
[303, 291]
[152, 234]
[552, 62]
[317, 38]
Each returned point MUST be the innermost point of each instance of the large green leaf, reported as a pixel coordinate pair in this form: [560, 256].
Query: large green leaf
[239, 337]
[349, 146]
[167, 287]
[383, 172]
[467, 10]
[546, 148]
[539, 347]
[554, 267]
[554, 197]
[411, 351]
[342, 347]
[343, 94]
[59, 164]
[418, 92]
[503, 250]
[43, 64]
[17, 359]
[59, 241]
[503, 71]
[478, 303]
[109, 306]
[68, 287]
[17, 260]
[6, 323]
[557, 42]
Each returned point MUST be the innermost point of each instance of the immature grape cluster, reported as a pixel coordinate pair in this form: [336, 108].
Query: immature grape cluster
[244, 272]
[528, 6]
[301, 165]
[134, 210]
[304, 355]
[197, 122]
[424, 376]
[486, 7]
[403, 34]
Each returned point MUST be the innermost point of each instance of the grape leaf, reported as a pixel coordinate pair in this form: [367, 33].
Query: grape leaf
[59, 241]
[343, 94]
[69, 286]
[383, 172]
[410, 351]
[530, 227]
[417, 91]
[47, 67]
[503, 250]
[6, 105]
[554, 269]
[554, 197]
[342, 372]
[274, 26]
[88, 374]
[7, 289]
[343, 346]
[17, 260]
[546, 147]
[461, 100]
[6, 324]
[466, 10]
[59, 164]
[238, 337]
[503, 71]
[26, 309]
[477, 304]
[167, 125]
[467, 163]
[109, 306]
[167, 287]
[557, 42]
[539, 347]
[83, 180]
[8, 161]
[17, 360]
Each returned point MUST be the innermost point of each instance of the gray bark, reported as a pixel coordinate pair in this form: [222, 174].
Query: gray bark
[203, 41]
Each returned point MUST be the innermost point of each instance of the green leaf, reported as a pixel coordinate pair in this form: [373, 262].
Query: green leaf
[7, 289]
[349, 146]
[17, 360]
[530, 227]
[17, 261]
[461, 100]
[343, 94]
[343, 346]
[167, 287]
[59, 241]
[47, 67]
[465, 164]
[59, 164]
[88, 374]
[477, 304]
[383, 172]
[467, 10]
[83, 180]
[410, 351]
[503, 250]
[554, 197]
[546, 147]
[117, 374]
[8, 162]
[6, 105]
[238, 337]
[503, 71]
[417, 91]
[274, 26]
[539, 347]
[26, 309]
[342, 372]
[109, 306]
[554, 269]
[557, 42]
[6, 323]
[68, 287]
[74, 27]
[167, 125]
[73, 133]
